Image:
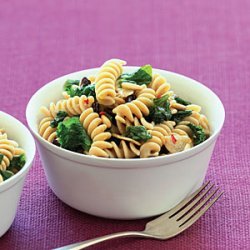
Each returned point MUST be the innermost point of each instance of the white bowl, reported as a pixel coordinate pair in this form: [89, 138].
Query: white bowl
[10, 190]
[126, 188]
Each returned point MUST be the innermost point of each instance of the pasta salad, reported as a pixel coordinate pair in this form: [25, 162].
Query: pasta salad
[12, 157]
[123, 115]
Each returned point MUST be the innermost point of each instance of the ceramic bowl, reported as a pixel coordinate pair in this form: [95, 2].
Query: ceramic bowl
[10, 190]
[126, 188]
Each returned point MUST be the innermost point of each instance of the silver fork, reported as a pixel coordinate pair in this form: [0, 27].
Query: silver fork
[168, 225]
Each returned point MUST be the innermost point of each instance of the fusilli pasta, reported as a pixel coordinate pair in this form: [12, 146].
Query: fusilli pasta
[8, 150]
[45, 130]
[159, 133]
[159, 85]
[125, 149]
[73, 106]
[138, 108]
[106, 81]
[128, 115]
[96, 128]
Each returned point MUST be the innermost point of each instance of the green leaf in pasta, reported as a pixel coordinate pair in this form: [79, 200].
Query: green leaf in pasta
[199, 135]
[162, 101]
[182, 101]
[142, 76]
[88, 90]
[17, 163]
[1, 158]
[6, 174]
[75, 88]
[138, 133]
[59, 118]
[69, 84]
[160, 111]
[177, 117]
[71, 135]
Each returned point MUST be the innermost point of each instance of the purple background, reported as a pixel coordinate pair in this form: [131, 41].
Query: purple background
[206, 40]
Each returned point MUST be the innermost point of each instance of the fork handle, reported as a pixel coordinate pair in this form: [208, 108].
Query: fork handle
[87, 243]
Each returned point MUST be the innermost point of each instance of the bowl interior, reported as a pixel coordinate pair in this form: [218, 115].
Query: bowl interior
[18, 132]
[185, 87]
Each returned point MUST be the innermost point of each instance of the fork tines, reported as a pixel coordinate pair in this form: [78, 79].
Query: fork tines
[193, 207]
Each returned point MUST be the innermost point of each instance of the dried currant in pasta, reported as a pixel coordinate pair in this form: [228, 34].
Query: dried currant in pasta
[79, 150]
[164, 151]
[96, 107]
[114, 139]
[56, 142]
[130, 98]
[85, 81]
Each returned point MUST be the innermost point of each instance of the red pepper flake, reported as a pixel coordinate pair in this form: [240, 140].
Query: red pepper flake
[173, 139]
[86, 101]
[158, 96]
[102, 113]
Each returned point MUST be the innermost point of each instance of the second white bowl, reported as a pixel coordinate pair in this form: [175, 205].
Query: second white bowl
[10, 190]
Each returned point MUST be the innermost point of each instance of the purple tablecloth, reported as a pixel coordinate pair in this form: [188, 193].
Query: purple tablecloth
[206, 40]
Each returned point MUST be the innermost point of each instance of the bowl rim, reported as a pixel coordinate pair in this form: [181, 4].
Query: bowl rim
[7, 184]
[98, 161]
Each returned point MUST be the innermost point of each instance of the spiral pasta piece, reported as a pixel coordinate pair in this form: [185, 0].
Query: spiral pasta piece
[130, 86]
[9, 149]
[99, 149]
[121, 127]
[118, 101]
[106, 81]
[153, 146]
[177, 106]
[198, 120]
[96, 129]
[183, 131]
[106, 121]
[18, 151]
[137, 108]
[73, 106]
[182, 128]
[159, 85]
[125, 149]
[45, 130]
